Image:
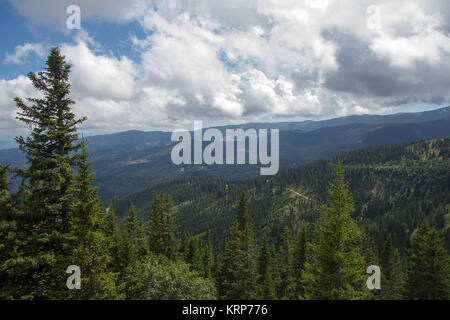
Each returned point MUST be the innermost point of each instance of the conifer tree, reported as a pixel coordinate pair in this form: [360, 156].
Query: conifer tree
[195, 254]
[287, 284]
[337, 266]
[208, 256]
[265, 274]
[133, 246]
[191, 251]
[299, 259]
[111, 230]
[8, 237]
[47, 182]
[391, 271]
[427, 274]
[238, 271]
[160, 226]
[91, 244]
[184, 245]
[370, 253]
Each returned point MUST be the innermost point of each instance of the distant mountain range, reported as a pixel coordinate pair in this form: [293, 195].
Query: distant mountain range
[127, 162]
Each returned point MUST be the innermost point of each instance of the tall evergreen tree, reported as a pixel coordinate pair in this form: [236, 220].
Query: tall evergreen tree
[195, 254]
[111, 229]
[299, 259]
[91, 244]
[183, 246]
[208, 256]
[238, 273]
[160, 226]
[48, 182]
[428, 271]
[391, 271]
[134, 245]
[337, 266]
[287, 285]
[265, 273]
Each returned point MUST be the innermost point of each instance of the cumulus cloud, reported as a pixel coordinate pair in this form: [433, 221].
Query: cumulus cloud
[410, 34]
[9, 89]
[252, 60]
[22, 52]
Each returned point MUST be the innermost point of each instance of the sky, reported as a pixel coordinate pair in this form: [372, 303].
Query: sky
[161, 64]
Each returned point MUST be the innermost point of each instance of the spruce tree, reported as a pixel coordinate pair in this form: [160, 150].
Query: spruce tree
[265, 273]
[91, 244]
[238, 273]
[195, 254]
[133, 246]
[111, 229]
[47, 188]
[287, 285]
[337, 268]
[427, 274]
[299, 259]
[160, 226]
[391, 271]
[208, 256]
[184, 245]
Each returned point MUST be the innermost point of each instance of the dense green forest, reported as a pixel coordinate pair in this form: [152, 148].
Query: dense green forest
[394, 188]
[306, 233]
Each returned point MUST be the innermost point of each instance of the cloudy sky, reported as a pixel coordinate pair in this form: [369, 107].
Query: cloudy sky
[143, 64]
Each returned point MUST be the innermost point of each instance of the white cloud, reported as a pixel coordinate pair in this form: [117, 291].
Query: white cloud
[409, 34]
[9, 89]
[100, 76]
[253, 60]
[22, 52]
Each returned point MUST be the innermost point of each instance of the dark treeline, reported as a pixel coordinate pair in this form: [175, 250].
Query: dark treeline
[394, 189]
[56, 220]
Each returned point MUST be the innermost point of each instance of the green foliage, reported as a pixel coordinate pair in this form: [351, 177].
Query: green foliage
[428, 272]
[238, 273]
[160, 226]
[286, 287]
[394, 188]
[8, 237]
[299, 259]
[391, 272]
[336, 268]
[158, 278]
[134, 243]
[91, 245]
[47, 190]
[111, 230]
[265, 271]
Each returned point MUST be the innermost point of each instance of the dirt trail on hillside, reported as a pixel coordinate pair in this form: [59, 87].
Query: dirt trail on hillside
[299, 194]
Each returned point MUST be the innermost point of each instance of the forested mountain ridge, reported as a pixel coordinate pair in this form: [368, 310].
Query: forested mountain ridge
[394, 188]
[128, 162]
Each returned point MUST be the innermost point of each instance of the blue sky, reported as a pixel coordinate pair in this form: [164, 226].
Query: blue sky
[15, 29]
[158, 65]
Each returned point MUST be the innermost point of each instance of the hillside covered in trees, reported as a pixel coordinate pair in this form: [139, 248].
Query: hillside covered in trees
[306, 233]
[394, 188]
